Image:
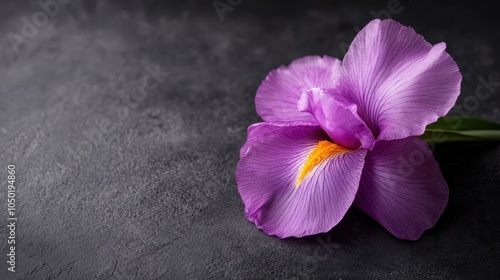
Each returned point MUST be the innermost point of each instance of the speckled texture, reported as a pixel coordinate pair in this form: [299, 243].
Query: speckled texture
[113, 184]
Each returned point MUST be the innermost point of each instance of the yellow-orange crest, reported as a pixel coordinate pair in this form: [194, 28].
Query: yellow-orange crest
[323, 150]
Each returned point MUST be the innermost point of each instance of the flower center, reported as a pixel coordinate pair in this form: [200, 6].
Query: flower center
[323, 150]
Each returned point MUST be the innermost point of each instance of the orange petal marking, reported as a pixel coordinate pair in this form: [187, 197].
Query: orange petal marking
[323, 150]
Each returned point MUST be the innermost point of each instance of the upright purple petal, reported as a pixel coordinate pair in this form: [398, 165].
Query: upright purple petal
[402, 187]
[399, 81]
[340, 122]
[278, 201]
[277, 96]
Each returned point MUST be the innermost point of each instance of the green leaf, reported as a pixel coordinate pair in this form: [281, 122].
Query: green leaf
[456, 128]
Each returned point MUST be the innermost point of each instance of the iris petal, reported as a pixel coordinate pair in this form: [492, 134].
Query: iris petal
[259, 131]
[340, 122]
[399, 82]
[267, 175]
[277, 96]
[402, 187]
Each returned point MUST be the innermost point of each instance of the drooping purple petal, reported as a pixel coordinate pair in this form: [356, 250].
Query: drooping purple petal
[277, 96]
[399, 81]
[267, 177]
[259, 131]
[402, 187]
[340, 122]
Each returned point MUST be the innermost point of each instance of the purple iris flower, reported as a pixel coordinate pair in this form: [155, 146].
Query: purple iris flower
[345, 133]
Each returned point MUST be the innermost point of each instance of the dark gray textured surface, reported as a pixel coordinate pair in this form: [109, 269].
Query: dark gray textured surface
[114, 185]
